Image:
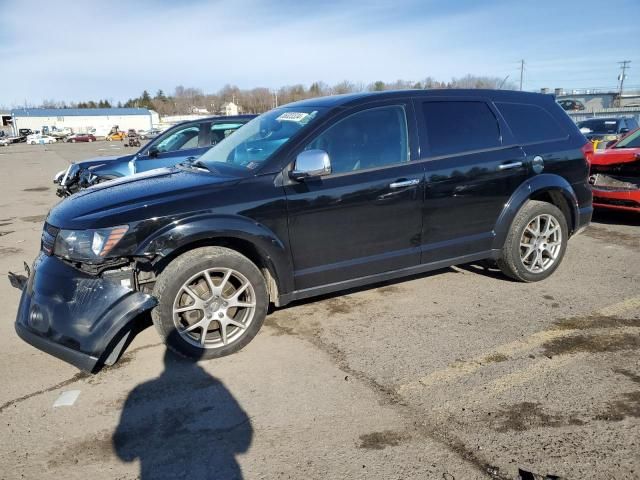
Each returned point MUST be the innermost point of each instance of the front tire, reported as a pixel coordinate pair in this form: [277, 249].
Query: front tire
[536, 242]
[211, 303]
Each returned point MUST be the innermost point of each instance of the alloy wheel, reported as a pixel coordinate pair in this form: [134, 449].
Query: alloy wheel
[540, 243]
[213, 308]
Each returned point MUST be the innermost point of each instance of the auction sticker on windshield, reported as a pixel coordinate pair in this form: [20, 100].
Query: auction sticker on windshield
[293, 117]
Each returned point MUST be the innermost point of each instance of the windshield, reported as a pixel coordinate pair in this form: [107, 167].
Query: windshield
[253, 144]
[630, 141]
[599, 126]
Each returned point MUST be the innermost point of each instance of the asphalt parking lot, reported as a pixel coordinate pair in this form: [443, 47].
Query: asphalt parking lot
[456, 374]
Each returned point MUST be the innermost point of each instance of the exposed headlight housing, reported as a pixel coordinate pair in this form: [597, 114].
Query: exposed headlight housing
[90, 246]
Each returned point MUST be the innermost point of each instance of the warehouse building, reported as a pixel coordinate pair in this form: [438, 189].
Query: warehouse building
[82, 120]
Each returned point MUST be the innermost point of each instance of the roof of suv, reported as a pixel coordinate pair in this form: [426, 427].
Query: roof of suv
[224, 118]
[350, 98]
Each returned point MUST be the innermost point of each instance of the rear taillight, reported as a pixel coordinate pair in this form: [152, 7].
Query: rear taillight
[587, 151]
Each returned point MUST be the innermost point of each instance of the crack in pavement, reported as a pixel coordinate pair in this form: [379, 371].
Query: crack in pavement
[392, 398]
[76, 378]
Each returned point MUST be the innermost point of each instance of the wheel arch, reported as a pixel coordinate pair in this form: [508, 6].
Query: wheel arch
[248, 238]
[549, 188]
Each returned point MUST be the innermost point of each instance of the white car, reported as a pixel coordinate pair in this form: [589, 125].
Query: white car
[40, 139]
[4, 142]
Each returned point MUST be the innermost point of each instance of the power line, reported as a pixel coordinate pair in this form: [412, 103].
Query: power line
[624, 65]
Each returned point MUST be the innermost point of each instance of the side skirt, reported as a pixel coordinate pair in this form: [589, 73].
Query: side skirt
[384, 276]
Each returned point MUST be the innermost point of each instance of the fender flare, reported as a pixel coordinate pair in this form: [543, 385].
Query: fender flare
[546, 182]
[209, 227]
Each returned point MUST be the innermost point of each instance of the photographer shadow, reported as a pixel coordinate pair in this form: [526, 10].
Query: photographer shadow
[183, 424]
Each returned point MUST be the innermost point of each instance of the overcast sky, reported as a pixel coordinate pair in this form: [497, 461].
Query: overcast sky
[67, 50]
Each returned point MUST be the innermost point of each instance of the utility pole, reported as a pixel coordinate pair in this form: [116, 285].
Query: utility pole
[521, 73]
[624, 65]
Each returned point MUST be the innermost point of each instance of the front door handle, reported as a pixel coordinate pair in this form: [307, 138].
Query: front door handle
[508, 166]
[404, 183]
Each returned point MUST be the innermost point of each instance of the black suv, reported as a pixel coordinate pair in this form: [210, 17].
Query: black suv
[314, 197]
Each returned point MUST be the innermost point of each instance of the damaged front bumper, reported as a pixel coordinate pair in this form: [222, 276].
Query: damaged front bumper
[75, 316]
[616, 186]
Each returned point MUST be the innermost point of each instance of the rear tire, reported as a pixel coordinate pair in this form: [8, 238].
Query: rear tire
[205, 292]
[536, 242]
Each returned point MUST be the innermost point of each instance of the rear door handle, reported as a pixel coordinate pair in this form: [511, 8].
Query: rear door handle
[404, 183]
[508, 166]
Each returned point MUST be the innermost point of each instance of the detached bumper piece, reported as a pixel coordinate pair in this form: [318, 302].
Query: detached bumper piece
[75, 316]
[616, 186]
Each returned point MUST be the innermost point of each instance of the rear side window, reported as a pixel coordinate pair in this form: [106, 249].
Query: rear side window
[457, 127]
[530, 123]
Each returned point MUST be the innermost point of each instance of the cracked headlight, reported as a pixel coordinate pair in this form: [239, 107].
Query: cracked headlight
[90, 246]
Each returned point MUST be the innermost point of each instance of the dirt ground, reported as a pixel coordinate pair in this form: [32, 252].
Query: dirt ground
[456, 374]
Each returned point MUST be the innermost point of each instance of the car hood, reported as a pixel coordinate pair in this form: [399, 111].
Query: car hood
[156, 193]
[94, 162]
[615, 155]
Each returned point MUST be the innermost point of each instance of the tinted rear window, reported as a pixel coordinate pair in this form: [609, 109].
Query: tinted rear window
[530, 123]
[456, 127]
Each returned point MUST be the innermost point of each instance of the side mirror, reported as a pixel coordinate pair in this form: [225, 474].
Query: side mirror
[153, 152]
[311, 163]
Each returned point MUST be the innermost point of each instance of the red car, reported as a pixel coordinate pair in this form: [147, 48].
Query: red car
[615, 175]
[81, 137]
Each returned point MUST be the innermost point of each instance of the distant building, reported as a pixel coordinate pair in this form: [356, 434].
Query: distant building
[228, 109]
[82, 120]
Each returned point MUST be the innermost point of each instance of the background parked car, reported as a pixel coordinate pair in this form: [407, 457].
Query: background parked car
[185, 140]
[153, 133]
[81, 137]
[4, 142]
[571, 105]
[615, 175]
[609, 129]
[40, 139]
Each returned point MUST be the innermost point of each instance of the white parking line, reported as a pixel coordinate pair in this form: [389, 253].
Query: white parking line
[66, 399]
[461, 369]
